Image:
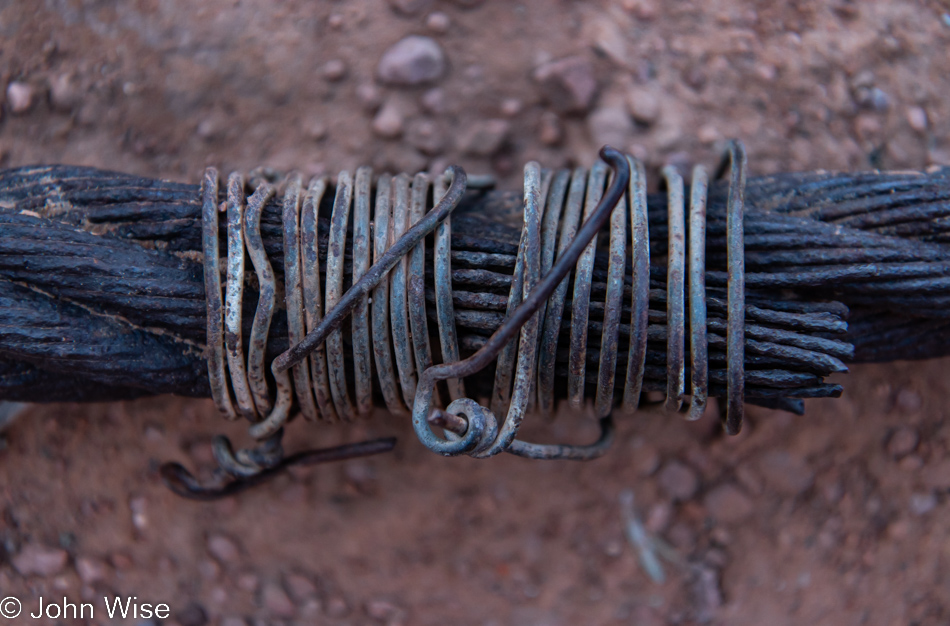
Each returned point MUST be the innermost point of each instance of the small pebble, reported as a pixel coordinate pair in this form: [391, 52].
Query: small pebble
[91, 570]
[385, 611]
[922, 503]
[121, 561]
[568, 84]
[484, 138]
[20, 97]
[902, 441]
[412, 61]
[908, 400]
[410, 7]
[911, 463]
[388, 122]
[370, 97]
[643, 106]
[64, 92]
[658, 518]
[334, 70]
[209, 570]
[316, 130]
[335, 21]
[337, 606]
[36, 559]
[550, 130]
[223, 548]
[300, 587]
[233, 621]
[277, 602]
[138, 505]
[438, 22]
[787, 474]
[917, 118]
[425, 136]
[248, 582]
[433, 100]
[510, 107]
[678, 480]
[728, 504]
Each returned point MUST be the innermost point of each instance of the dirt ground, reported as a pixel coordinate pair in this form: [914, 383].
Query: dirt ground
[838, 517]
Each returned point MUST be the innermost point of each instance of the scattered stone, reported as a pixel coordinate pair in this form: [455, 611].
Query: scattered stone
[223, 548]
[908, 400]
[336, 21]
[389, 120]
[922, 503]
[658, 518]
[91, 570]
[438, 22]
[787, 474]
[209, 569]
[902, 441]
[911, 463]
[35, 559]
[484, 138]
[433, 100]
[276, 601]
[248, 582]
[138, 505]
[310, 610]
[511, 107]
[20, 97]
[316, 130]
[369, 96]
[568, 84]
[415, 60]
[425, 136]
[678, 480]
[64, 92]
[301, 587]
[610, 125]
[936, 475]
[643, 106]
[334, 70]
[337, 606]
[917, 118]
[121, 561]
[233, 621]
[550, 130]
[410, 7]
[385, 611]
[192, 615]
[728, 504]
[708, 134]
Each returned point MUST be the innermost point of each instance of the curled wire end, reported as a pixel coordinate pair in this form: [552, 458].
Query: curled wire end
[183, 483]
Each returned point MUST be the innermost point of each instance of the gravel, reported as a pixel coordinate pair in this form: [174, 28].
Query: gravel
[728, 504]
[678, 481]
[40, 560]
[413, 61]
[20, 97]
[567, 84]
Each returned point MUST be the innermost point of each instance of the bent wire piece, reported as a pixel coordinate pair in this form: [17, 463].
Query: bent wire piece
[481, 436]
[238, 471]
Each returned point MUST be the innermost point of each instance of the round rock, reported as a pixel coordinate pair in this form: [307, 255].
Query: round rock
[415, 60]
[678, 480]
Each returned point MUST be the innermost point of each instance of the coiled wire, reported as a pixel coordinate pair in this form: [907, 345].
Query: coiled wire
[388, 263]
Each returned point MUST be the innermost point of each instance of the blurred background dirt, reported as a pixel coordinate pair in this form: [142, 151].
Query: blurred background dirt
[838, 517]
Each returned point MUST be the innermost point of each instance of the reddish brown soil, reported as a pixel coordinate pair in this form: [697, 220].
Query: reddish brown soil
[837, 517]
